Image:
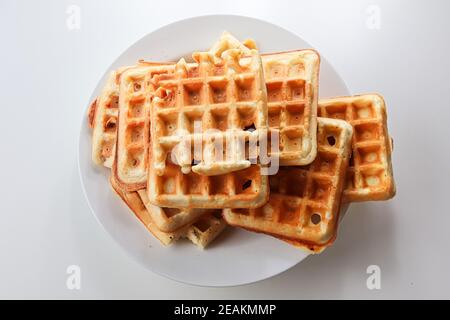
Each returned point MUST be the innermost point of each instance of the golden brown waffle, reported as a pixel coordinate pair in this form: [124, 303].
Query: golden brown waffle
[206, 229]
[170, 219]
[103, 117]
[134, 202]
[215, 102]
[292, 91]
[246, 188]
[304, 201]
[136, 91]
[314, 247]
[370, 175]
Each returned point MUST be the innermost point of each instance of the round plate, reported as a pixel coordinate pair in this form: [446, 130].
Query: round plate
[236, 257]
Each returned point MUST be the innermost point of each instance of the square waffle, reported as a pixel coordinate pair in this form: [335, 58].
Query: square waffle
[136, 90]
[370, 175]
[292, 92]
[304, 201]
[212, 103]
[133, 132]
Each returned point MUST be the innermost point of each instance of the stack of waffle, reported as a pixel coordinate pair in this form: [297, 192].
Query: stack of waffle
[239, 138]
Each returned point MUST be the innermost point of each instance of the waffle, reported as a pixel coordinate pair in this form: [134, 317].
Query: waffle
[134, 202]
[206, 229]
[137, 92]
[170, 219]
[103, 117]
[91, 113]
[292, 91]
[212, 103]
[370, 175]
[133, 132]
[304, 201]
[201, 232]
[315, 248]
[246, 188]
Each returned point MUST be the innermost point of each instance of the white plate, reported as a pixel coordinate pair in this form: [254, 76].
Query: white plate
[237, 256]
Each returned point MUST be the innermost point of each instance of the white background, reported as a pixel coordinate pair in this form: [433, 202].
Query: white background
[49, 73]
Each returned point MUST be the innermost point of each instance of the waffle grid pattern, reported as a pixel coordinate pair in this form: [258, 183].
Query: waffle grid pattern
[246, 188]
[304, 201]
[369, 176]
[136, 90]
[227, 99]
[105, 123]
[109, 123]
[292, 85]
